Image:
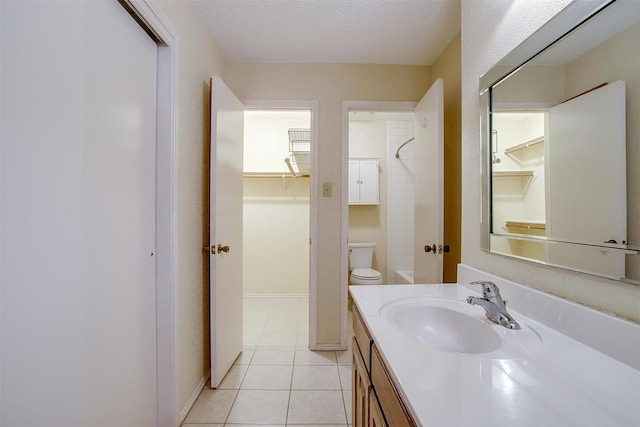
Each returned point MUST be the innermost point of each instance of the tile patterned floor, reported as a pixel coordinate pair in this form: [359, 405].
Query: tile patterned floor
[277, 381]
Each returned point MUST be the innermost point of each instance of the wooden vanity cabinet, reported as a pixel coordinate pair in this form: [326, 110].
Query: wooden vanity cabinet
[376, 419]
[363, 338]
[361, 389]
[393, 408]
[375, 398]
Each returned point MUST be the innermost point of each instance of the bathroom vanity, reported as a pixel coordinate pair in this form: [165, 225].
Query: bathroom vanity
[423, 356]
[367, 403]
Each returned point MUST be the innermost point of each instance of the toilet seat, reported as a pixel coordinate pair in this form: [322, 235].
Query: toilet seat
[366, 276]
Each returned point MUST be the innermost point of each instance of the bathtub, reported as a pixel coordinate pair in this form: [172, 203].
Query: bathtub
[403, 277]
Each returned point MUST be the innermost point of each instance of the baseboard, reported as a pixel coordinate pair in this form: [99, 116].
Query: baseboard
[329, 347]
[275, 295]
[193, 398]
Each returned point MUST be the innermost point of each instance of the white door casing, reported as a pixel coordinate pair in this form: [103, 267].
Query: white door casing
[225, 254]
[78, 216]
[429, 185]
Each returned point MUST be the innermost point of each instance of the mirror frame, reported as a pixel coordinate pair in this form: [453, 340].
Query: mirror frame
[562, 24]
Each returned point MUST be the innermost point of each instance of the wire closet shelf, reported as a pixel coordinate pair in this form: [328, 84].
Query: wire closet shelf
[300, 150]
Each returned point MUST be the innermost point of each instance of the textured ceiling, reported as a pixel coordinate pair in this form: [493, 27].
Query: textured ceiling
[332, 31]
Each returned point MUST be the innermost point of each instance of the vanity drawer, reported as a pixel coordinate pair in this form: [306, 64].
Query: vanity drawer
[391, 403]
[363, 338]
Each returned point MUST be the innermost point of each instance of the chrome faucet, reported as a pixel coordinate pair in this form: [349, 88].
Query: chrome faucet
[495, 307]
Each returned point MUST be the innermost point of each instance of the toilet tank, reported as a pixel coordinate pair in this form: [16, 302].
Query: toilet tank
[360, 255]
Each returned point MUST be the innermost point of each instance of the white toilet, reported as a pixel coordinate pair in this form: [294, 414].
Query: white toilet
[360, 259]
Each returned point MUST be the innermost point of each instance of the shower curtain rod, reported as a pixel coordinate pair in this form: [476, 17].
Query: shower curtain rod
[403, 144]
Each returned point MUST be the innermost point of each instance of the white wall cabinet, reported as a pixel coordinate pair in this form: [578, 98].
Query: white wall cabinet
[364, 182]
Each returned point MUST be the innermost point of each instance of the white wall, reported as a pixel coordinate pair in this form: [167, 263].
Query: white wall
[490, 29]
[266, 138]
[276, 236]
[198, 59]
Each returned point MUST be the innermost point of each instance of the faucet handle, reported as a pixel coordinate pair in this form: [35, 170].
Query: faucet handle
[490, 291]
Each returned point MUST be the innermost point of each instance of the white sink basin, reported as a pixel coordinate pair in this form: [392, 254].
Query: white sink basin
[446, 329]
[453, 325]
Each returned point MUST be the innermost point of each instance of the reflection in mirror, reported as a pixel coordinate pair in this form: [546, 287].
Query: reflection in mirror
[562, 140]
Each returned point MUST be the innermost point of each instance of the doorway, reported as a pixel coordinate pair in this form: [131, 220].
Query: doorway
[428, 202]
[277, 200]
[347, 108]
[387, 221]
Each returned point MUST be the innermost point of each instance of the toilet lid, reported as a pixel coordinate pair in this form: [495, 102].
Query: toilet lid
[366, 274]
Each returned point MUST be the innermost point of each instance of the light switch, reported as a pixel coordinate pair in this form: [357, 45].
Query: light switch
[326, 189]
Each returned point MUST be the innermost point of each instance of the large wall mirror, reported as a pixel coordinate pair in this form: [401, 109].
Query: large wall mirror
[561, 143]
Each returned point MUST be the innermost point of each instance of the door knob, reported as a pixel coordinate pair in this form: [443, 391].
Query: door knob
[223, 248]
[437, 249]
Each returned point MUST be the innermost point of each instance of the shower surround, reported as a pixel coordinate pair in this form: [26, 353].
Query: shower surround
[400, 188]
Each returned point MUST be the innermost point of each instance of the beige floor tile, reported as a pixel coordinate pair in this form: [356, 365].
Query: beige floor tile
[268, 363]
[273, 356]
[212, 406]
[346, 394]
[245, 356]
[316, 407]
[308, 357]
[315, 378]
[259, 407]
[345, 357]
[265, 377]
[251, 338]
[289, 325]
[258, 425]
[302, 339]
[345, 377]
[234, 377]
[278, 339]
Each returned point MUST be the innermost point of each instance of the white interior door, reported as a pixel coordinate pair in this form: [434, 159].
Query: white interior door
[78, 216]
[227, 134]
[429, 186]
[586, 156]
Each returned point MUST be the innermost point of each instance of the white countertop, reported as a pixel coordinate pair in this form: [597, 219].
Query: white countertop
[565, 383]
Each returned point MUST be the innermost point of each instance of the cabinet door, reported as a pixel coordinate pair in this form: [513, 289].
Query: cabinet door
[369, 179]
[361, 390]
[354, 182]
[375, 413]
[391, 403]
[362, 338]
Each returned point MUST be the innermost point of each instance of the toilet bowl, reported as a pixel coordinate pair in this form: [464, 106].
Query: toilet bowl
[365, 276]
[360, 260]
